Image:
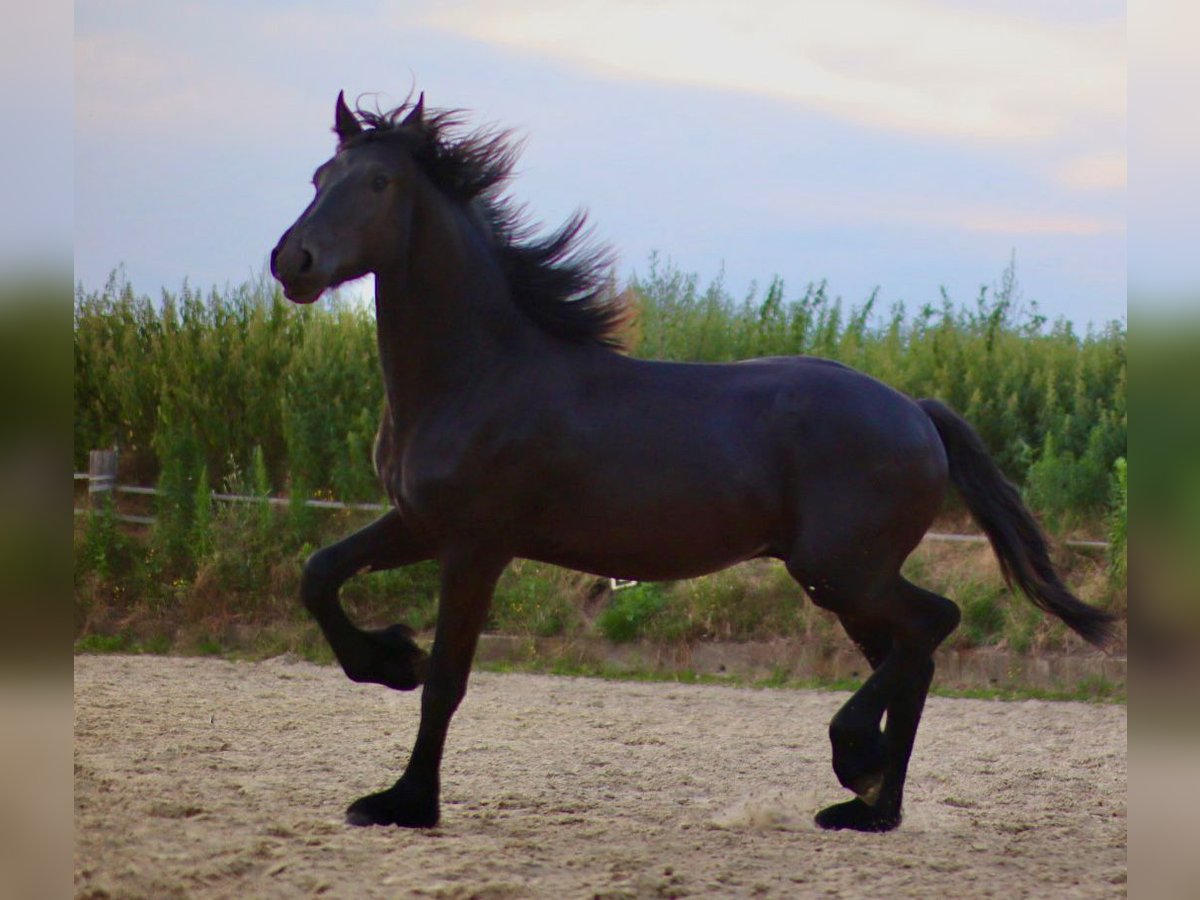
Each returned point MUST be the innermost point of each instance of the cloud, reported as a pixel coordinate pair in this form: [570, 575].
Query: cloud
[134, 83]
[952, 210]
[894, 64]
[1094, 172]
[200, 70]
[1001, 222]
[993, 220]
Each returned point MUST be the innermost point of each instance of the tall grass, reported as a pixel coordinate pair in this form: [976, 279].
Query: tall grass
[189, 380]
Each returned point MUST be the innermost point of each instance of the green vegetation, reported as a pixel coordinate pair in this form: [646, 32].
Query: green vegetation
[536, 599]
[188, 380]
[632, 613]
[240, 391]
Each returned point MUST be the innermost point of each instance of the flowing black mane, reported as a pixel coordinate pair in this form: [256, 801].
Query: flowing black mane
[562, 280]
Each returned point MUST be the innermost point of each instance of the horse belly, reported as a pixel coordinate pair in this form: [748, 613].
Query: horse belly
[652, 532]
[647, 563]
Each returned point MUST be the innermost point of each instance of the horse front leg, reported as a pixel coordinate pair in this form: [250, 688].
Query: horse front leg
[386, 656]
[468, 581]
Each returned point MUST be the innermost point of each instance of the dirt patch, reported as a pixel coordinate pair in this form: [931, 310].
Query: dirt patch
[208, 778]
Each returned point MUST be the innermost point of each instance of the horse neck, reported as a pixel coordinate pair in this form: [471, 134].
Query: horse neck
[444, 317]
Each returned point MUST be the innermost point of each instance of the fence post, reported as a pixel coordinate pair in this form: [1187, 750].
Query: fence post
[102, 473]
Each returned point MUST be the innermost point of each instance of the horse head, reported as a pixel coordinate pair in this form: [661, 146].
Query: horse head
[360, 220]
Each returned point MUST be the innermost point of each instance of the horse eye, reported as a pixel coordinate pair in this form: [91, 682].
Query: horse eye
[379, 182]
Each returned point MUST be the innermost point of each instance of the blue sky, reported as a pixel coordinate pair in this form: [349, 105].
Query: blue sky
[883, 143]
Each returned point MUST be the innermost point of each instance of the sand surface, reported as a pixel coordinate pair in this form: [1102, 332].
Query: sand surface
[208, 778]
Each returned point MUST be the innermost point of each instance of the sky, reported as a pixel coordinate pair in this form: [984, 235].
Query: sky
[891, 144]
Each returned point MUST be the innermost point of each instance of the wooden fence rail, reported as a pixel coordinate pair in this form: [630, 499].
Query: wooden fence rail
[224, 498]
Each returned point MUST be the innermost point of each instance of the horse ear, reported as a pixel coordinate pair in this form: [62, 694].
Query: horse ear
[416, 116]
[345, 124]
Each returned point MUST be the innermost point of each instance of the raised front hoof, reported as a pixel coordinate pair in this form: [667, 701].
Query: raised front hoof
[397, 805]
[394, 660]
[856, 816]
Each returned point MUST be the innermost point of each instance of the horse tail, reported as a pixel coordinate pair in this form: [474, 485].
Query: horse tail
[1017, 540]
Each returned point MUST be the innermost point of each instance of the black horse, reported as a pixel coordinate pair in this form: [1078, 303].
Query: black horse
[514, 428]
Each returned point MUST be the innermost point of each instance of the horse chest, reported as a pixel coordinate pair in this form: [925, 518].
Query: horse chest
[448, 481]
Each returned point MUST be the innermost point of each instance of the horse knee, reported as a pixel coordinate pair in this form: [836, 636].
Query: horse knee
[929, 620]
[946, 617]
[319, 579]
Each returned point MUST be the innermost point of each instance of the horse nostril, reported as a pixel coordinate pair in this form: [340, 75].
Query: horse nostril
[306, 261]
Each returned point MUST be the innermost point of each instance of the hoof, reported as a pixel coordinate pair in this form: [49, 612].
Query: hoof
[398, 805]
[394, 660]
[856, 816]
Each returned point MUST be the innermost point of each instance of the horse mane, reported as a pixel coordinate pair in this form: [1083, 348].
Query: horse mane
[561, 280]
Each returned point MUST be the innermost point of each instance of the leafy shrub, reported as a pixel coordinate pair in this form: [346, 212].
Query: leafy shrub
[408, 594]
[754, 601]
[984, 612]
[536, 599]
[631, 611]
[106, 551]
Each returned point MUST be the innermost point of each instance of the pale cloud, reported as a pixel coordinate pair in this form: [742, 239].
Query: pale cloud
[308, 27]
[197, 74]
[1000, 222]
[840, 208]
[992, 220]
[130, 82]
[1097, 171]
[885, 63]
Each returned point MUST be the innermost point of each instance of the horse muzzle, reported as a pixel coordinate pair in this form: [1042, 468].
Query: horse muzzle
[296, 269]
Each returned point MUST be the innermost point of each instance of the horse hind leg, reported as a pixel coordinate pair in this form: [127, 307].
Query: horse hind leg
[898, 628]
[386, 656]
[933, 619]
[860, 748]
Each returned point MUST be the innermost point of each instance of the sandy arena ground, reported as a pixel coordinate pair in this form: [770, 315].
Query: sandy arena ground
[207, 778]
